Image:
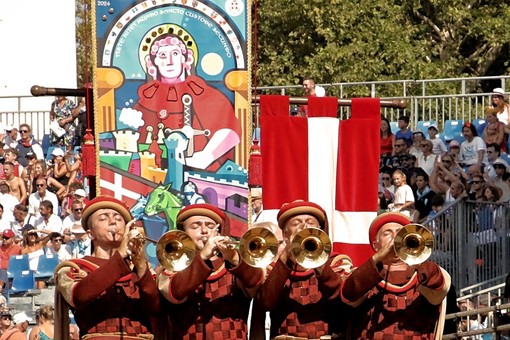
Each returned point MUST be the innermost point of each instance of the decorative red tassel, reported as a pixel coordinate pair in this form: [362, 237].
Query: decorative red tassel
[88, 152]
[255, 166]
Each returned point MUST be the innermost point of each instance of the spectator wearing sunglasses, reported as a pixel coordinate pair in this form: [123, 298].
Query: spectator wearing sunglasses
[27, 144]
[41, 194]
[63, 251]
[74, 216]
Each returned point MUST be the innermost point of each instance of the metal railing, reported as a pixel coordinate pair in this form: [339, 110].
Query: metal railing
[430, 99]
[472, 241]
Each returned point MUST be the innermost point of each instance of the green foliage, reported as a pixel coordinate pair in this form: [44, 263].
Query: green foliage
[365, 40]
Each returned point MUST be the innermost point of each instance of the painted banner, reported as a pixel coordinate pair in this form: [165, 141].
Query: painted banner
[327, 161]
[171, 108]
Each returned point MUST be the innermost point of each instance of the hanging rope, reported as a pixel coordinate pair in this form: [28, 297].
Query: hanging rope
[88, 148]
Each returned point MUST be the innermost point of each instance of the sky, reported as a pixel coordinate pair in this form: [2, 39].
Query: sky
[38, 45]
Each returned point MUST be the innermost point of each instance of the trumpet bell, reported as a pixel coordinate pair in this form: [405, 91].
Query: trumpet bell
[413, 244]
[175, 250]
[311, 248]
[258, 247]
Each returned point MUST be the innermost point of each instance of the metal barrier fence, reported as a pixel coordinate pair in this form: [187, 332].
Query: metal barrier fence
[484, 313]
[431, 99]
[472, 241]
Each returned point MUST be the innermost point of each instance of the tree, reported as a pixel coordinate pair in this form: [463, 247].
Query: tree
[84, 40]
[345, 41]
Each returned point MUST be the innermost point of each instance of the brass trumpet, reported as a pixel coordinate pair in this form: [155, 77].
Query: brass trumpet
[311, 248]
[413, 244]
[175, 250]
[258, 247]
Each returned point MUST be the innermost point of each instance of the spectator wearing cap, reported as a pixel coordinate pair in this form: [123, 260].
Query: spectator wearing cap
[309, 315]
[19, 331]
[438, 146]
[500, 104]
[107, 295]
[75, 194]
[27, 144]
[11, 136]
[454, 149]
[222, 285]
[48, 222]
[256, 205]
[415, 149]
[500, 168]
[394, 299]
[472, 155]
[81, 196]
[82, 244]
[7, 249]
[41, 194]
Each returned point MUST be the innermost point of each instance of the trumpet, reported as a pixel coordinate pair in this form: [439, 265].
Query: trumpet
[175, 250]
[311, 248]
[413, 244]
[258, 247]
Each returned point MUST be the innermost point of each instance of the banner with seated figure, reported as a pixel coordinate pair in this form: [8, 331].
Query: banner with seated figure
[172, 113]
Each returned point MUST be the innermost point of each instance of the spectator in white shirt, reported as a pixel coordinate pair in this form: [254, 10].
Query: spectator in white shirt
[8, 200]
[48, 222]
[21, 219]
[63, 251]
[75, 216]
[42, 194]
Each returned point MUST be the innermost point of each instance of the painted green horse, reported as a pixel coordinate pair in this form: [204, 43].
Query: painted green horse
[161, 199]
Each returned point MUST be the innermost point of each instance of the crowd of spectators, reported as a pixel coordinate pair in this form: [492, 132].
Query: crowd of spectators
[42, 196]
[473, 169]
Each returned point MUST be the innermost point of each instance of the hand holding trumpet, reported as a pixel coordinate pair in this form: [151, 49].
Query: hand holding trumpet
[131, 246]
[215, 243]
